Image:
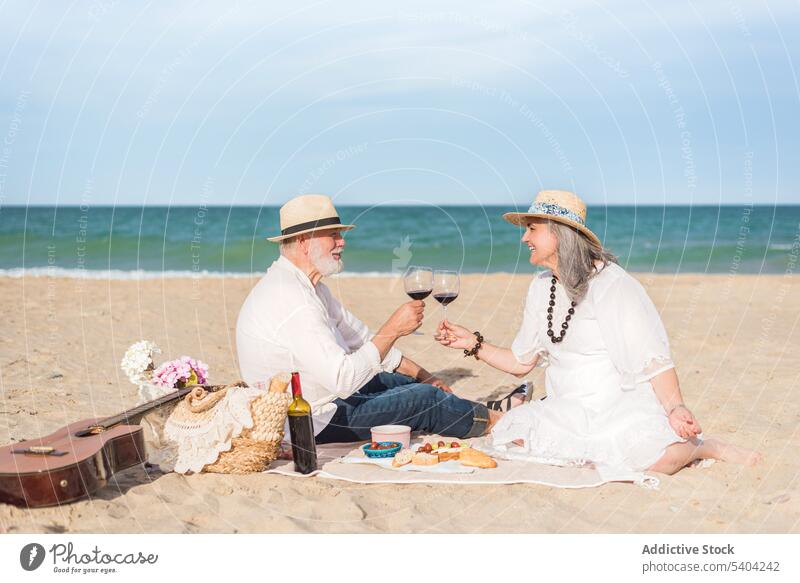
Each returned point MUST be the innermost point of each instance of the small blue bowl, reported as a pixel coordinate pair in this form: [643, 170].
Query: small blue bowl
[382, 453]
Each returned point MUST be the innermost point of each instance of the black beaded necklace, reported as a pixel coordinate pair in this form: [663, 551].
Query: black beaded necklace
[553, 338]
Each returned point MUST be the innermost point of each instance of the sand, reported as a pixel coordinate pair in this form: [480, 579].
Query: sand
[735, 341]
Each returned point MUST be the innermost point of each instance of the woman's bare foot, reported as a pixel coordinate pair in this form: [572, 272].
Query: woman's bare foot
[495, 416]
[733, 453]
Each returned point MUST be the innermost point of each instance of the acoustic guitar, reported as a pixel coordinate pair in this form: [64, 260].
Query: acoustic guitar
[77, 460]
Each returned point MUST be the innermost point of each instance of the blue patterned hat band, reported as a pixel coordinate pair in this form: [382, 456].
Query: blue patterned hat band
[548, 208]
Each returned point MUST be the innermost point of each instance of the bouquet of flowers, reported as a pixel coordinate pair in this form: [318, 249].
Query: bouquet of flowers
[137, 363]
[181, 372]
[140, 368]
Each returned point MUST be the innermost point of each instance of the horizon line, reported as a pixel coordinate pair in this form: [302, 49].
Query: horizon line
[353, 205]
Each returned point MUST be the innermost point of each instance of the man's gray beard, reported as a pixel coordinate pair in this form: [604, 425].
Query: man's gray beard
[325, 264]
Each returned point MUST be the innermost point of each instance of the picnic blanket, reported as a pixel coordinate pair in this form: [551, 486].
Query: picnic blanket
[344, 461]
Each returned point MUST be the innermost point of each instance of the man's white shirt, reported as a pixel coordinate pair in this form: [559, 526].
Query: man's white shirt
[287, 324]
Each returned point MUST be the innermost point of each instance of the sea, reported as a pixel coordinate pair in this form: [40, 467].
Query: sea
[215, 241]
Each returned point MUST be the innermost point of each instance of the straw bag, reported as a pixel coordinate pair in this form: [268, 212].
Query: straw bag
[234, 430]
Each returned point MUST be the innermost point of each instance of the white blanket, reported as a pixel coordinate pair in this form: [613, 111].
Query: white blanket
[336, 462]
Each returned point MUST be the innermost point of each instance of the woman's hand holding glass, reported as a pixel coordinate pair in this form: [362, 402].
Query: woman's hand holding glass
[454, 336]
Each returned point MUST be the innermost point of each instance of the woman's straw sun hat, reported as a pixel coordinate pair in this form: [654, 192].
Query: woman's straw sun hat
[308, 213]
[556, 205]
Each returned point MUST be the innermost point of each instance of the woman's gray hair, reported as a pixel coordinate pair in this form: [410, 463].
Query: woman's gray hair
[576, 259]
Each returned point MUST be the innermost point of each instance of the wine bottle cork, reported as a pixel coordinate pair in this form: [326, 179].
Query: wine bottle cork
[280, 382]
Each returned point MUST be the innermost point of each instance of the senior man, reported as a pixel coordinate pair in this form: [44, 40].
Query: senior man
[354, 380]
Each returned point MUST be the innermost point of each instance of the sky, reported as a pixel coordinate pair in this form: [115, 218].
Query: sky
[251, 103]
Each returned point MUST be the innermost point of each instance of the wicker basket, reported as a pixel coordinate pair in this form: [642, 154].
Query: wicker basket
[258, 446]
[254, 448]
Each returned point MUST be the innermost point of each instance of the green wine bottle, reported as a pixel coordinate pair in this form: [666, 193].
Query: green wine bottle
[301, 430]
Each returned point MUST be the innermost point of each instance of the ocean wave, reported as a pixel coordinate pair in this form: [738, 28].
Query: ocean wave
[140, 274]
[137, 274]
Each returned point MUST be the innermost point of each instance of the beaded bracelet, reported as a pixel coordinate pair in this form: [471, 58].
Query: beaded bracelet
[476, 348]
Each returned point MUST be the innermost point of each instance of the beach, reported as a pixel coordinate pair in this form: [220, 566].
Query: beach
[734, 337]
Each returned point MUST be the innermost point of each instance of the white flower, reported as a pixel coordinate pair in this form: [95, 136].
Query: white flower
[137, 363]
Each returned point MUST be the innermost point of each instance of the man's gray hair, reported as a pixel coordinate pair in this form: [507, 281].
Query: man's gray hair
[576, 259]
[286, 247]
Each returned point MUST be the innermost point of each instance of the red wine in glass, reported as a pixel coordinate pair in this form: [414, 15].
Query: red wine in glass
[445, 298]
[446, 285]
[418, 282]
[419, 294]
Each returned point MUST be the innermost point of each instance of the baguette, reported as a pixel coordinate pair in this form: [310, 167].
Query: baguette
[477, 459]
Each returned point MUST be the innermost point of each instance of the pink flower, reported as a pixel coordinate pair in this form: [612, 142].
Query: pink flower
[176, 372]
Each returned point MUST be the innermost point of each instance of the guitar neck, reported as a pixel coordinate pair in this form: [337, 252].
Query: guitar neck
[133, 416]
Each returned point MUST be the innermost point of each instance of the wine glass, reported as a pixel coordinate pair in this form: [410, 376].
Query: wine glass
[418, 282]
[446, 286]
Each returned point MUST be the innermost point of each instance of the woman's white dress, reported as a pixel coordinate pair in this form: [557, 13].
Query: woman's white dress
[600, 405]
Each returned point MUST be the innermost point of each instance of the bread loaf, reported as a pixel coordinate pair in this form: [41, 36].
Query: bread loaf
[424, 459]
[402, 458]
[477, 459]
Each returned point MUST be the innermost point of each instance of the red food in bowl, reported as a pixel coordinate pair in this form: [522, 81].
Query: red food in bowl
[398, 433]
[379, 446]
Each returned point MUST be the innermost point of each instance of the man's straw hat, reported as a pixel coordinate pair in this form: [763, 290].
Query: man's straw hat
[307, 213]
[556, 205]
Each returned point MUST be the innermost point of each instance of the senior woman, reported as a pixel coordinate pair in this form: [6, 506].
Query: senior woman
[613, 397]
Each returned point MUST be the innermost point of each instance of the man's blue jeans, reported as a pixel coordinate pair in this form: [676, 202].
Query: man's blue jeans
[392, 398]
